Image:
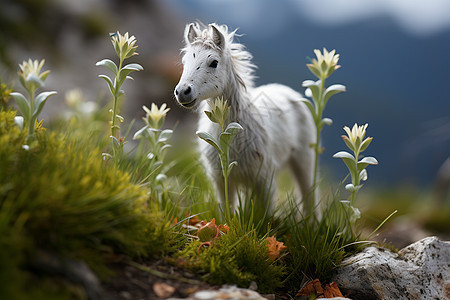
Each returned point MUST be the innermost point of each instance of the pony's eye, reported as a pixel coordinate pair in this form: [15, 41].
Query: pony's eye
[213, 64]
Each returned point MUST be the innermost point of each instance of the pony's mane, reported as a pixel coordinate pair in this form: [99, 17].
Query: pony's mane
[241, 59]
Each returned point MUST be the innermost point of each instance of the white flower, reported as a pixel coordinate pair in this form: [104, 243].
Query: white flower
[355, 136]
[124, 45]
[155, 116]
[324, 64]
[30, 75]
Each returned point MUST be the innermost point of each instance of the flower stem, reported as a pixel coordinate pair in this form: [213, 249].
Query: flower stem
[319, 112]
[227, 201]
[115, 102]
[355, 179]
[31, 124]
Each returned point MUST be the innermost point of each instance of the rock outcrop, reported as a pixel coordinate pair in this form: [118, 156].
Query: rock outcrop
[418, 271]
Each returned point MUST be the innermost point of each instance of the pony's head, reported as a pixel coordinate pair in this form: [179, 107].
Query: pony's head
[212, 65]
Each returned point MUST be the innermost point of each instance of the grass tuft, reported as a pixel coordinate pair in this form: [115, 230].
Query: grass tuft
[59, 196]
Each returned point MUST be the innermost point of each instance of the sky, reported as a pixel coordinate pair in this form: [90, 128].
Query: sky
[413, 16]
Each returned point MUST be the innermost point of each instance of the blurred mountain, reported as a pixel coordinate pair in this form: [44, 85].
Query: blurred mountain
[73, 35]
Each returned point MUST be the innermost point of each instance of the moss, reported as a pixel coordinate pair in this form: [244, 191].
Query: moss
[57, 194]
[237, 257]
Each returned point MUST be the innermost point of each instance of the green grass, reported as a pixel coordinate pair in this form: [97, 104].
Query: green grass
[59, 196]
[237, 257]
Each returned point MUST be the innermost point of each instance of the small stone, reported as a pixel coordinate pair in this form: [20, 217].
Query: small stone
[125, 295]
[253, 286]
[163, 290]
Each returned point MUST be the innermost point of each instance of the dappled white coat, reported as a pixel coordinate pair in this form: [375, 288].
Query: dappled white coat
[278, 128]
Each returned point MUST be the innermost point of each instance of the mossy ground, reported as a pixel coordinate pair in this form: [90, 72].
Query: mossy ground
[59, 196]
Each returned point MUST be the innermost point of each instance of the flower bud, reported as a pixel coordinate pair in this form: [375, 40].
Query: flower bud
[208, 231]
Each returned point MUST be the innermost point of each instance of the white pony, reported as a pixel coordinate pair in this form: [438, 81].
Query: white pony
[278, 128]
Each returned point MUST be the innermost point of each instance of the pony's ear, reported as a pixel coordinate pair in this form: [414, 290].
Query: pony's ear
[217, 36]
[190, 33]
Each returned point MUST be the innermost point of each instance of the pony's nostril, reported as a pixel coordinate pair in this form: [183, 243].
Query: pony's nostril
[176, 92]
[187, 91]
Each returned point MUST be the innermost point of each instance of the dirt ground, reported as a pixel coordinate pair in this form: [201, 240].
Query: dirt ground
[150, 280]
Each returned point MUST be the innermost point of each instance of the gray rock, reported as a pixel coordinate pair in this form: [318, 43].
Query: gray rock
[226, 292]
[419, 271]
[234, 293]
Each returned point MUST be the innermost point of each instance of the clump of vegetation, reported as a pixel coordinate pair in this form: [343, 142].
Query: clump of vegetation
[125, 48]
[57, 195]
[32, 79]
[5, 94]
[237, 257]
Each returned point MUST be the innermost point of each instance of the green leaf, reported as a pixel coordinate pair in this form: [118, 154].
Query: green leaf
[230, 167]
[363, 163]
[109, 64]
[165, 135]
[314, 86]
[349, 161]
[140, 133]
[348, 143]
[164, 148]
[43, 76]
[123, 73]
[314, 70]
[209, 139]
[115, 141]
[106, 156]
[22, 80]
[233, 163]
[332, 90]
[133, 67]
[120, 118]
[325, 121]
[110, 83]
[369, 160]
[124, 49]
[211, 117]
[33, 78]
[350, 188]
[363, 175]
[226, 137]
[358, 142]
[324, 66]
[225, 140]
[365, 144]
[23, 105]
[310, 107]
[233, 128]
[344, 155]
[40, 101]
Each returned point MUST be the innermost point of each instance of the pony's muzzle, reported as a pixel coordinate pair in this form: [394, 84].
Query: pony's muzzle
[185, 96]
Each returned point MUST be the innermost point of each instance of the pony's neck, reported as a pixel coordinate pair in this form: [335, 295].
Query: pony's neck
[239, 101]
